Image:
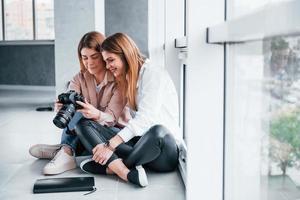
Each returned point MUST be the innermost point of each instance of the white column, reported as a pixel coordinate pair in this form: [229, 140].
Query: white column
[156, 32]
[204, 102]
[100, 16]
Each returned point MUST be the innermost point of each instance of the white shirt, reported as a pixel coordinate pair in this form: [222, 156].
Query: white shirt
[157, 103]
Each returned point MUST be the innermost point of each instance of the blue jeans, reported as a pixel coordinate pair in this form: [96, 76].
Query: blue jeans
[71, 140]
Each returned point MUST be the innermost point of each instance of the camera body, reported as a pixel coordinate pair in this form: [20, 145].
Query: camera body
[65, 114]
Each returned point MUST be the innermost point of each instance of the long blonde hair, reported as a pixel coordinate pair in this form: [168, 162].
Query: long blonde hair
[122, 45]
[91, 40]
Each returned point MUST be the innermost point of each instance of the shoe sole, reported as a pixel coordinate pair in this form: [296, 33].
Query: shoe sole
[83, 163]
[65, 168]
[44, 146]
[142, 176]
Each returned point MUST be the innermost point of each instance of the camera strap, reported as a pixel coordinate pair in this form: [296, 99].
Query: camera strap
[70, 132]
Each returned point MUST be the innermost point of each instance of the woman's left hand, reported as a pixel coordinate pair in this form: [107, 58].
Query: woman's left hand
[101, 154]
[88, 110]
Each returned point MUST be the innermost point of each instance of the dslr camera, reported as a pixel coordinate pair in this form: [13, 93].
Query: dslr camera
[65, 114]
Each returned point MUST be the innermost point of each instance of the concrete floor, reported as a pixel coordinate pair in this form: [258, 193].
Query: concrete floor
[21, 126]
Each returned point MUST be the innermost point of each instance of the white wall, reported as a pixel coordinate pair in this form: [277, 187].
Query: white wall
[174, 28]
[204, 102]
[165, 24]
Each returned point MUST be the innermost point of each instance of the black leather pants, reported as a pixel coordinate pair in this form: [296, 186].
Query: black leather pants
[90, 133]
[156, 149]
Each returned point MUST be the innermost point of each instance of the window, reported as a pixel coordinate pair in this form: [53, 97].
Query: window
[1, 35]
[18, 20]
[262, 119]
[262, 156]
[263, 112]
[27, 20]
[44, 19]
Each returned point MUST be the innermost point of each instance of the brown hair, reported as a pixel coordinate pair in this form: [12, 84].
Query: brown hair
[91, 40]
[122, 45]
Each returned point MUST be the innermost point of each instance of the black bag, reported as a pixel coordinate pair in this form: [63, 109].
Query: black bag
[66, 184]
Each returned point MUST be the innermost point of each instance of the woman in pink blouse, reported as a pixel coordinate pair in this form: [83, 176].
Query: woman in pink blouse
[103, 104]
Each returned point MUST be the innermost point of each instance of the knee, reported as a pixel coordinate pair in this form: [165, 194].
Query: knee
[81, 125]
[83, 122]
[158, 131]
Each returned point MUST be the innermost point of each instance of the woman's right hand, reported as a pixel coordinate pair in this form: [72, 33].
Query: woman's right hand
[57, 105]
[101, 154]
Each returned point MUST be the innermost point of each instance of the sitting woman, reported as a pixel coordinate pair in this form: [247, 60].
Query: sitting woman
[149, 137]
[104, 104]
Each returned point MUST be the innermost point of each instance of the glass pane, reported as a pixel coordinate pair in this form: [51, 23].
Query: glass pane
[263, 120]
[18, 20]
[1, 34]
[44, 19]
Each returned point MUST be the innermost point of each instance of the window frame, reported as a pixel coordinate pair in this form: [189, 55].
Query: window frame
[251, 27]
[270, 21]
[2, 20]
[34, 41]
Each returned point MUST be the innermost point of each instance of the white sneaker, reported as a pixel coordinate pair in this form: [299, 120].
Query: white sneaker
[60, 163]
[44, 151]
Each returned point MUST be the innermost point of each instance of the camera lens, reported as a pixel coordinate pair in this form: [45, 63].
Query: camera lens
[60, 122]
[64, 116]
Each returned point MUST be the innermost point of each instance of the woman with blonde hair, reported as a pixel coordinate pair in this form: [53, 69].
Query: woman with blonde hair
[103, 104]
[148, 139]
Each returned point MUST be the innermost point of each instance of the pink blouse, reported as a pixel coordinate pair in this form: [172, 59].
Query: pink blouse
[106, 97]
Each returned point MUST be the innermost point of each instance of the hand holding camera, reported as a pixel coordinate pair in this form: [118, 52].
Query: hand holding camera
[68, 109]
[57, 105]
[68, 103]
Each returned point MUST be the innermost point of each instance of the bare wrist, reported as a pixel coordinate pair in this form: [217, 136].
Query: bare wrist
[99, 115]
[97, 118]
[116, 141]
[107, 145]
